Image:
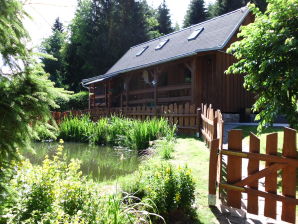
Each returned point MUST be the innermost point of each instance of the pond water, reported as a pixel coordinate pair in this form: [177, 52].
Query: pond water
[98, 162]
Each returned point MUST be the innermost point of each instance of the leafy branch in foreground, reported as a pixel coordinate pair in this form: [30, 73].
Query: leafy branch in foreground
[26, 94]
[267, 53]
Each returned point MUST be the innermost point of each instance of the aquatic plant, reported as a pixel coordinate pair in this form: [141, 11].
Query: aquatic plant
[116, 131]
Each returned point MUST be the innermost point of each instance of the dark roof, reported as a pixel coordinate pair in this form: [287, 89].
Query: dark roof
[216, 34]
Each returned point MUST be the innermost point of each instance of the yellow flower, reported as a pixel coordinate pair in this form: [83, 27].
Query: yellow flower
[168, 170]
[61, 141]
[177, 197]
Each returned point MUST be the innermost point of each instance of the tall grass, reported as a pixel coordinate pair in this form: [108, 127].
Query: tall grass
[116, 131]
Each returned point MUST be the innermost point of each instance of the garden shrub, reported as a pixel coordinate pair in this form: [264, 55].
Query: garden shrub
[169, 189]
[77, 101]
[55, 192]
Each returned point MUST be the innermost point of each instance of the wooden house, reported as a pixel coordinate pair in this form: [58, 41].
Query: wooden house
[184, 66]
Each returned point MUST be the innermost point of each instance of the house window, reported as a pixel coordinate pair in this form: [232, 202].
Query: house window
[195, 34]
[162, 44]
[187, 75]
[142, 51]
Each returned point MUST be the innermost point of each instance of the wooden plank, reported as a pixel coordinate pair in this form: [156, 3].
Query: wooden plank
[253, 167]
[140, 91]
[171, 110]
[174, 99]
[271, 180]
[263, 194]
[213, 172]
[175, 114]
[180, 111]
[186, 111]
[264, 172]
[192, 120]
[289, 176]
[263, 157]
[173, 87]
[234, 168]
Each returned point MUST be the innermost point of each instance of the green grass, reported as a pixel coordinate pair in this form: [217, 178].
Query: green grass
[262, 136]
[194, 153]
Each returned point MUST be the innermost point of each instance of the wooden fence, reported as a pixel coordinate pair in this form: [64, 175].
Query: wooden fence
[185, 116]
[212, 124]
[235, 185]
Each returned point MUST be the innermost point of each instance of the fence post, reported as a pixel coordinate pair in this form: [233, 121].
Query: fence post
[199, 123]
[213, 172]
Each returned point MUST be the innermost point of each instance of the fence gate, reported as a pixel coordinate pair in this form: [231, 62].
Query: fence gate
[235, 184]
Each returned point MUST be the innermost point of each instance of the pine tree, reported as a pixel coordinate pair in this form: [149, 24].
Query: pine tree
[224, 6]
[26, 94]
[164, 19]
[58, 26]
[53, 46]
[196, 13]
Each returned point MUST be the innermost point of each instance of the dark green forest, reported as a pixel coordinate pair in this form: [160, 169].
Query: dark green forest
[103, 30]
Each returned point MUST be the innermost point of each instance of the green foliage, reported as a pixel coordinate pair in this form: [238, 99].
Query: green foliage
[26, 94]
[12, 33]
[55, 192]
[169, 189]
[164, 19]
[101, 32]
[77, 101]
[196, 13]
[224, 6]
[165, 148]
[267, 53]
[53, 46]
[125, 132]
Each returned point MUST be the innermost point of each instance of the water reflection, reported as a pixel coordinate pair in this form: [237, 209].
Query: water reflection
[98, 162]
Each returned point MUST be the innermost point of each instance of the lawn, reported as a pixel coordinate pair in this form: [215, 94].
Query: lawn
[194, 154]
[279, 130]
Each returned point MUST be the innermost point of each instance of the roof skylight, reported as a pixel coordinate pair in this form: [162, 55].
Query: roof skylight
[162, 44]
[142, 51]
[195, 34]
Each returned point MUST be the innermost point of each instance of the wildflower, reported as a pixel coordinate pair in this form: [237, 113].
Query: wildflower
[177, 197]
[61, 141]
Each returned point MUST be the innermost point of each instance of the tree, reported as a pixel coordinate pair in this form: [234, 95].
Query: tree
[164, 19]
[224, 6]
[196, 13]
[267, 54]
[58, 26]
[101, 32]
[53, 46]
[26, 94]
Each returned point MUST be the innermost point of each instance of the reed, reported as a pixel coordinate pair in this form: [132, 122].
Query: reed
[116, 131]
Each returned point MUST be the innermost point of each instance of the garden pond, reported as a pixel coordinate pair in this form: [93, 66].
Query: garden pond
[101, 163]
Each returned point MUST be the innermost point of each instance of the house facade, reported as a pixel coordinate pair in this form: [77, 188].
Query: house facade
[187, 66]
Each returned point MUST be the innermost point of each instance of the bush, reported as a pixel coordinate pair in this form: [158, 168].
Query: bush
[77, 101]
[57, 193]
[169, 189]
[116, 131]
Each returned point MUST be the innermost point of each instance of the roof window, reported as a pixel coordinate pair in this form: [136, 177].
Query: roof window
[195, 34]
[142, 51]
[162, 44]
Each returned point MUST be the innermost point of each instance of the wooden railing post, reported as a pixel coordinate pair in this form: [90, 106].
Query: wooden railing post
[199, 123]
[213, 172]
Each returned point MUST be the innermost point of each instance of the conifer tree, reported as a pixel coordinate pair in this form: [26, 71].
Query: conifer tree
[164, 19]
[26, 94]
[196, 13]
[53, 46]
